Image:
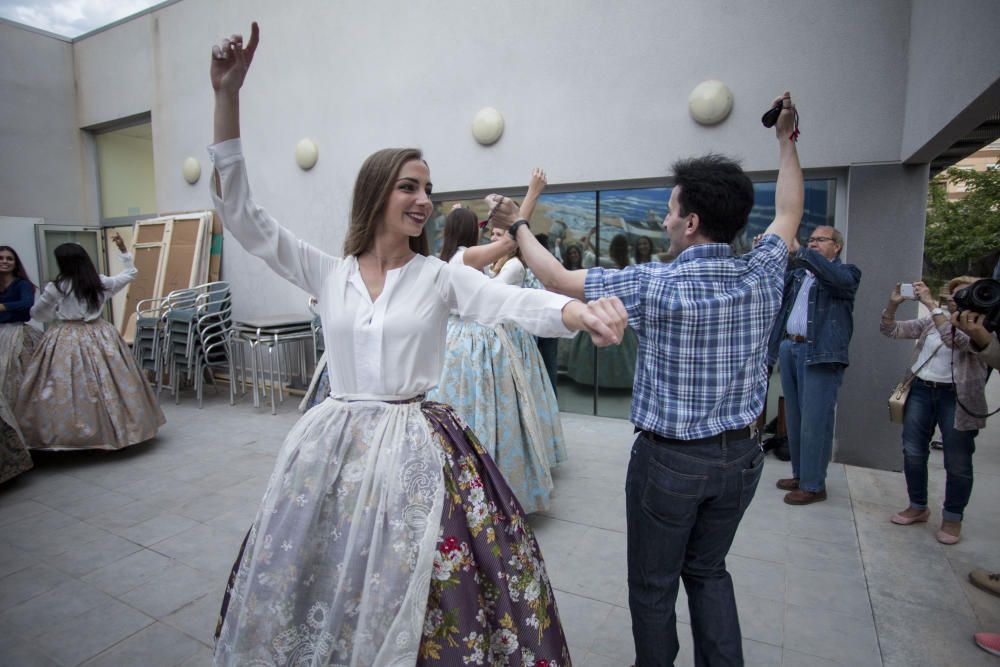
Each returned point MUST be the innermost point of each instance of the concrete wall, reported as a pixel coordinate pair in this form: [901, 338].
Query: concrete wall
[886, 210]
[953, 74]
[40, 146]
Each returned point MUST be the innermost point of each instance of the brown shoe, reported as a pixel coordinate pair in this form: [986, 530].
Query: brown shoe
[801, 497]
[910, 516]
[987, 581]
[788, 484]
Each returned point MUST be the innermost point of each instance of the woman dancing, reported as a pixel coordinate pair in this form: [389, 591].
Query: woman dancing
[486, 380]
[83, 388]
[386, 535]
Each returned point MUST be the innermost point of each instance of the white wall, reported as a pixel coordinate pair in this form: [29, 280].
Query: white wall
[40, 147]
[594, 91]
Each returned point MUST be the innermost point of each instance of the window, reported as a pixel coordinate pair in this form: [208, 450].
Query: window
[125, 172]
[599, 381]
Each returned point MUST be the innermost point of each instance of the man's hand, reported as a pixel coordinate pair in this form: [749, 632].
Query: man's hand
[785, 126]
[605, 320]
[972, 324]
[231, 61]
[503, 211]
[794, 246]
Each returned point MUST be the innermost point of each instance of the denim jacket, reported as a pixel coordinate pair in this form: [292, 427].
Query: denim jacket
[831, 307]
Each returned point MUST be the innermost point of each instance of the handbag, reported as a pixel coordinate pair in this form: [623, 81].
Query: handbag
[897, 399]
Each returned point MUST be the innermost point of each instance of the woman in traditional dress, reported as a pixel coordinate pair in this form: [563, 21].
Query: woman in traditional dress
[17, 339]
[83, 388]
[386, 535]
[488, 383]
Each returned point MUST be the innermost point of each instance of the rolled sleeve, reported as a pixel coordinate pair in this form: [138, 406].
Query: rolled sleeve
[627, 284]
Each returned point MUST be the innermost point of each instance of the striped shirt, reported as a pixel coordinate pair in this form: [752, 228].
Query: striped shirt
[703, 322]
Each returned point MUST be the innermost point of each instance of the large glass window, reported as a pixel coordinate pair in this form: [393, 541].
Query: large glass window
[125, 170]
[615, 229]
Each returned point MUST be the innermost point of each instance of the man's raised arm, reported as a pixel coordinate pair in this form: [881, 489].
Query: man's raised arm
[789, 194]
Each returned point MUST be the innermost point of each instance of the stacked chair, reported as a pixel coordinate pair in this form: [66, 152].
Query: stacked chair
[188, 333]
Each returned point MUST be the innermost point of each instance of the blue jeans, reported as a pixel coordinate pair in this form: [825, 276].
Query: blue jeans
[925, 407]
[810, 401]
[684, 504]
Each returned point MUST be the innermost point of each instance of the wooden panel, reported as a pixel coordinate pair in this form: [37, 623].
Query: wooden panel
[179, 262]
[150, 232]
[147, 262]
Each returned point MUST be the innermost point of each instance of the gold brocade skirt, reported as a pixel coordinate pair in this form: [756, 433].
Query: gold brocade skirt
[84, 390]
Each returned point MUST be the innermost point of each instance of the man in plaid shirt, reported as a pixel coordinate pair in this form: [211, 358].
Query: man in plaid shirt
[703, 323]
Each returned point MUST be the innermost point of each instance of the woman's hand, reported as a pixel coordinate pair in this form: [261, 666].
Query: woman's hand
[604, 319]
[538, 181]
[896, 296]
[117, 240]
[923, 294]
[972, 324]
[231, 61]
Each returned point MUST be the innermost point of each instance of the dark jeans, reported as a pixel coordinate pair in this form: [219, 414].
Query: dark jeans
[549, 349]
[925, 407]
[684, 503]
[810, 402]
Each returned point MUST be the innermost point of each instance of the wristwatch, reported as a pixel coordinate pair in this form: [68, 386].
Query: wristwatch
[935, 311]
[517, 225]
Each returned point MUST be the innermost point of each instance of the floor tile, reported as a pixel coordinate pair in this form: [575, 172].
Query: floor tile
[93, 632]
[130, 572]
[158, 645]
[178, 586]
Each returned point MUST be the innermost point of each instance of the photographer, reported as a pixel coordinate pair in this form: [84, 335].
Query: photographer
[949, 379]
[987, 346]
[984, 343]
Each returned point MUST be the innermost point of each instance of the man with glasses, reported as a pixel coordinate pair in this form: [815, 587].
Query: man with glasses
[810, 339]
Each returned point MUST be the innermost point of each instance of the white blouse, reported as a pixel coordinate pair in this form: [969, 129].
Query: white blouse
[393, 346]
[511, 273]
[59, 303]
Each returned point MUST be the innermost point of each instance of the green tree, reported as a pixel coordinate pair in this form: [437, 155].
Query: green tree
[962, 236]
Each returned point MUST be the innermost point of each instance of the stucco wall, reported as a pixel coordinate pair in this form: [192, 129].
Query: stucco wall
[40, 147]
[952, 74]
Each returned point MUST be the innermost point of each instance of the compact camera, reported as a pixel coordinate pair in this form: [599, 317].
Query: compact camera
[982, 296]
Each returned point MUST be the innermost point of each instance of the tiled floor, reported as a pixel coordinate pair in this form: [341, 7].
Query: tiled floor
[120, 559]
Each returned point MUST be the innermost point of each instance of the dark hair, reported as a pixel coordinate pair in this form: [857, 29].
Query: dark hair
[716, 189]
[461, 228]
[376, 179]
[19, 271]
[543, 238]
[77, 269]
[572, 266]
[639, 259]
[618, 250]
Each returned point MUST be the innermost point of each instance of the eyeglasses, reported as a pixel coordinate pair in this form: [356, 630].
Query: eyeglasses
[818, 239]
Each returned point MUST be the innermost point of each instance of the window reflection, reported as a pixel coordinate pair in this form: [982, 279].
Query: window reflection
[614, 229]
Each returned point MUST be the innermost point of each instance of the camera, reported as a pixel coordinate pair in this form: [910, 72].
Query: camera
[982, 296]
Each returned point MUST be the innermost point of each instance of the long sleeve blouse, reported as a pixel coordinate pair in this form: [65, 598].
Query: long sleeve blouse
[394, 345]
[59, 303]
[968, 368]
[17, 300]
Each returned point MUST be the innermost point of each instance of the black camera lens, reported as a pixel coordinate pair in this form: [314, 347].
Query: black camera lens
[985, 294]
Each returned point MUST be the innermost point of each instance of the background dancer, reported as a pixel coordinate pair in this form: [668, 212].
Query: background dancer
[386, 535]
[485, 379]
[83, 388]
[17, 339]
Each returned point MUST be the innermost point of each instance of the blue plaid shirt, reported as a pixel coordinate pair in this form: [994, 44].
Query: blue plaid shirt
[703, 322]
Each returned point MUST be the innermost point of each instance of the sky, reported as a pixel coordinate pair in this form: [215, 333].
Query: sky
[70, 18]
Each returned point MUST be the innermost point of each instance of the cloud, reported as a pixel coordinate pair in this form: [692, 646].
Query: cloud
[70, 17]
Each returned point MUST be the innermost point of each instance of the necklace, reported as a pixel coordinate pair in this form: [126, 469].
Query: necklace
[384, 258]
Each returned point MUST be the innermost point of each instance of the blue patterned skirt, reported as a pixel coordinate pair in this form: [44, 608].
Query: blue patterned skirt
[495, 380]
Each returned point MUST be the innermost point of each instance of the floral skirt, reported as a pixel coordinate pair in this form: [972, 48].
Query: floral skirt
[319, 386]
[14, 456]
[17, 344]
[505, 396]
[84, 390]
[388, 537]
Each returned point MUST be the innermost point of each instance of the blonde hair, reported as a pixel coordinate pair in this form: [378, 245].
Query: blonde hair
[376, 179]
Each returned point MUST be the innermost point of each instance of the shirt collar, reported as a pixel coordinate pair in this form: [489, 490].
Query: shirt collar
[704, 250]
